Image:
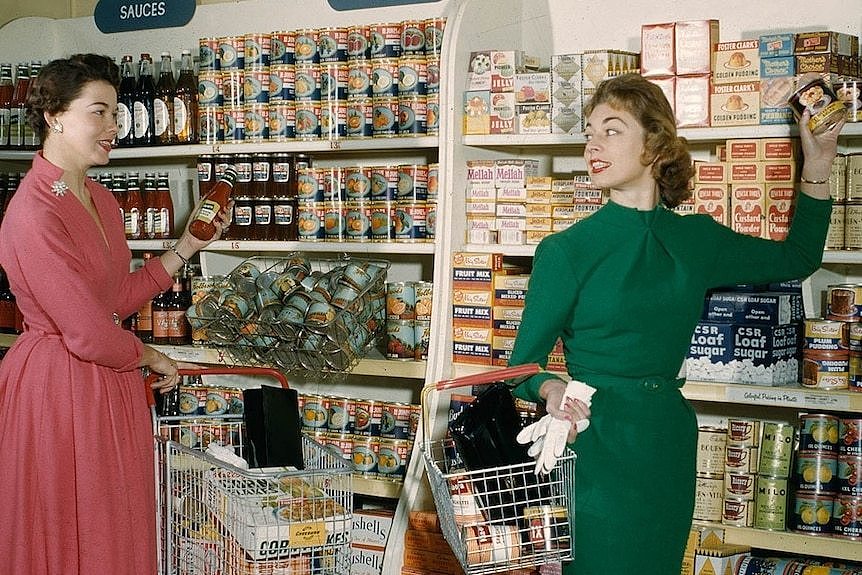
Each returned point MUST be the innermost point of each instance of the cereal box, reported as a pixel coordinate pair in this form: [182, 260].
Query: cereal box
[734, 62]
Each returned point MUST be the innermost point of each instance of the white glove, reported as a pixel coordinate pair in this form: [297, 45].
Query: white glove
[549, 434]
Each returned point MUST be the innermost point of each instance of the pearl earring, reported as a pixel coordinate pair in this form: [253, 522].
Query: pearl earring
[57, 127]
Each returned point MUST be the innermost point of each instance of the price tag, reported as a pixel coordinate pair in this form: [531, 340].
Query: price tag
[307, 534]
[803, 399]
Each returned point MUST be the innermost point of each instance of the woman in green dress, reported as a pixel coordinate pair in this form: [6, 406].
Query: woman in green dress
[624, 289]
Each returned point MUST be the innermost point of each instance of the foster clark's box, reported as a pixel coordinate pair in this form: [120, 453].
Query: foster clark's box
[754, 354]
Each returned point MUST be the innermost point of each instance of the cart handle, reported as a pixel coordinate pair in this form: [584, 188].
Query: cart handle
[274, 373]
[484, 378]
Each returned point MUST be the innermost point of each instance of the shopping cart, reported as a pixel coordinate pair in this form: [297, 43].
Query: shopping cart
[502, 518]
[215, 518]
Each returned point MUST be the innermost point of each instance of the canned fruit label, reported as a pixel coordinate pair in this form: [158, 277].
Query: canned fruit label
[847, 517]
[400, 339]
[816, 472]
[811, 513]
[819, 433]
[850, 432]
[850, 475]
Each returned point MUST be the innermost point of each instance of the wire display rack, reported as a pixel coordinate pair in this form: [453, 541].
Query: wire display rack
[295, 313]
[503, 518]
[215, 518]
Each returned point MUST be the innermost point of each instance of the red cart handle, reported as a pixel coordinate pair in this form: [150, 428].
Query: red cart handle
[268, 371]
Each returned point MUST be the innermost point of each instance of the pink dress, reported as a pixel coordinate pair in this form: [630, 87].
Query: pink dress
[76, 448]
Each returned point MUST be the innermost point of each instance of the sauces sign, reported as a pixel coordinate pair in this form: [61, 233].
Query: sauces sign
[126, 15]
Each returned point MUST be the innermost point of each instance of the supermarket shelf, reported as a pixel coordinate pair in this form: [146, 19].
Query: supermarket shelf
[793, 543]
[842, 257]
[223, 246]
[376, 487]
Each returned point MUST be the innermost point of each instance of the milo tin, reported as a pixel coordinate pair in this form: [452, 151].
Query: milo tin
[811, 513]
[359, 118]
[395, 420]
[823, 335]
[818, 432]
[410, 221]
[707, 498]
[366, 450]
[816, 472]
[770, 503]
[776, 448]
[850, 436]
[711, 446]
[818, 98]
[743, 431]
[847, 517]
[392, 459]
[400, 339]
[737, 512]
[850, 475]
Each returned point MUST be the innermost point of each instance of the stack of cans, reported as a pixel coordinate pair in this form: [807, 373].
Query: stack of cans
[773, 470]
[815, 477]
[408, 320]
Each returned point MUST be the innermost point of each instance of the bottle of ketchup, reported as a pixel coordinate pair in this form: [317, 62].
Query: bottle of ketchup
[213, 202]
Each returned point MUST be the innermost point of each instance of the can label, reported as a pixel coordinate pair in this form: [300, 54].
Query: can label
[366, 418]
[738, 512]
[400, 300]
[822, 335]
[231, 51]
[384, 117]
[826, 370]
[333, 221]
[314, 412]
[412, 183]
[743, 431]
[332, 44]
[492, 544]
[819, 432]
[432, 115]
[741, 459]
[465, 506]
[847, 517]
[342, 442]
[256, 121]
[381, 221]
[853, 226]
[400, 339]
[853, 176]
[232, 89]
[308, 120]
[850, 93]
[776, 448]
[770, 503]
[412, 115]
[357, 183]
[850, 475]
[384, 77]
[208, 59]
[333, 119]
[210, 89]
[395, 420]
[384, 183]
[410, 221]
[338, 414]
[708, 498]
[850, 435]
[424, 295]
[413, 76]
[359, 118]
[307, 83]
[366, 450]
[282, 47]
[434, 36]
[233, 120]
[835, 233]
[422, 338]
[357, 221]
[282, 82]
[816, 472]
[413, 37]
[333, 81]
[811, 513]
[357, 42]
[310, 217]
[305, 46]
[384, 40]
[432, 65]
[818, 98]
[359, 79]
[547, 527]
[739, 485]
[282, 120]
[711, 447]
[392, 459]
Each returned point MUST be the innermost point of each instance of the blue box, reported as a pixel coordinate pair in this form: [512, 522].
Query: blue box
[784, 66]
[751, 308]
[772, 45]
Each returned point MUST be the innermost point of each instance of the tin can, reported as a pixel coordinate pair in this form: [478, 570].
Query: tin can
[818, 98]
[400, 340]
[255, 85]
[818, 432]
[850, 93]
[308, 120]
[737, 512]
[465, 505]
[210, 124]
[424, 295]
[233, 121]
[741, 459]
[769, 566]
[392, 459]
[332, 44]
[412, 114]
[384, 117]
[811, 513]
[366, 450]
[412, 76]
[306, 83]
[310, 216]
[743, 431]
[333, 119]
[422, 338]
[232, 88]
[547, 528]
[711, 448]
[850, 436]
[853, 225]
[202, 286]
[306, 50]
[366, 417]
[826, 370]
[342, 441]
[231, 51]
[740, 485]
[816, 472]
[333, 221]
[400, 300]
[847, 517]
[490, 543]
[282, 80]
[257, 49]
[433, 181]
[309, 184]
[282, 121]
[823, 335]
[412, 38]
[208, 55]
[359, 118]
[359, 79]
[357, 183]
[434, 28]
[835, 232]
[331, 182]
[395, 420]
[838, 178]
[384, 182]
[770, 503]
[381, 221]
[384, 77]
[853, 176]
[338, 414]
[412, 183]
[850, 475]
[384, 40]
[843, 301]
[432, 114]
[314, 411]
[210, 89]
[776, 448]
[357, 42]
[415, 416]
[708, 498]
[282, 47]
[333, 81]
[256, 121]
[410, 221]
[432, 67]
[357, 221]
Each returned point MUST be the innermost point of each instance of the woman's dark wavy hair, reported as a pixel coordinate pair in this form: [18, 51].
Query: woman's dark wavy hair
[668, 153]
[60, 82]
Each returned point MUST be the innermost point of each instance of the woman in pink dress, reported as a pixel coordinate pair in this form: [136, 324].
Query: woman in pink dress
[76, 449]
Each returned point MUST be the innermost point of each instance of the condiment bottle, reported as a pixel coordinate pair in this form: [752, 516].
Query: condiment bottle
[145, 314]
[148, 193]
[161, 318]
[163, 103]
[215, 201]
[7, 88]
[32, 140]
[134, 208]
[186, 102]
[163, 206]
[145, 94]
[126, 103]
[18, 118]
[179, 330]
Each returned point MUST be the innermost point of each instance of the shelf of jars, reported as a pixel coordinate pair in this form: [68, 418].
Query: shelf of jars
[789, 542]
[691, 134]
[317, 247]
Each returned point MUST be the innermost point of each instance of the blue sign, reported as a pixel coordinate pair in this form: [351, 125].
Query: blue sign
[126, 15]
[360, 4]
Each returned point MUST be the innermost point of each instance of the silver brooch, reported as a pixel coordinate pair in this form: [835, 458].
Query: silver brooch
[59, 187]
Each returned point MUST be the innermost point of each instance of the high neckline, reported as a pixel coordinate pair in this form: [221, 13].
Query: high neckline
[624, 215]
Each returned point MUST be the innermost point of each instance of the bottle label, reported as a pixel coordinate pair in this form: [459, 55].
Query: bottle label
[145, 317]
[142, 120]
[161, 321]
[150, 222]
[5, 115]
[177, 324]
[243, 215]
[161, 116]
[133, 223]
[208, 211]
[124, 121]
[182, 120]
[17, 119]
[283, 214]
[161, 223]
[263, 215]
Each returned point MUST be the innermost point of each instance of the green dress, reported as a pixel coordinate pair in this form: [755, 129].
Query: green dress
[624, 289]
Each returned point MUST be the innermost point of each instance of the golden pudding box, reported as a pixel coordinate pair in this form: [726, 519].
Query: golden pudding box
[735, 104]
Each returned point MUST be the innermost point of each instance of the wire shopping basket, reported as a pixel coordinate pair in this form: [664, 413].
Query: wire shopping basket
[215, 518]
[501, 518]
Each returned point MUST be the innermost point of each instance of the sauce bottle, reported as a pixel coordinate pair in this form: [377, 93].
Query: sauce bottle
[161, 319]
[206, 174]
[163, 206]
[134, 208]
[148, 193]
[243, 209]
[163, 102]
[32, 141]
[263, 201]
[7, 88]
[186, 102]
[179, 330]
[7, 305]
[18, 117]
[284, 198]
[215, 201]
[145, 314]
[145, 94]
[126, 103]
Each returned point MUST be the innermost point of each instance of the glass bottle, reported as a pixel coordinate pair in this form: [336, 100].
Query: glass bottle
[126, 103]
[7, 305]
[134, 208]
[206, 174]
[148, 193]
[217, 198]
[163, 103]
[145, 313]
[186, 102]
[7, 88]
[284, 198]
[164, 208]
[161, 318]
[18, 117]
[118, 188]
[32, 140]
[145, 94]
[179, 330]
[243, 208]
[262, 194]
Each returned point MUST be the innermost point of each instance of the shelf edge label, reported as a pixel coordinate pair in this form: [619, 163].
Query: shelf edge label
[126, 15]
[786, 398]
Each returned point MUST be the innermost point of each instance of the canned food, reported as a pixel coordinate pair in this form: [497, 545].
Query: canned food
[208, 56]
[412, 76]
[823, 335]
[492, 543]
[708, 498]
[359, 118]
[433, 176]
[309, 218]
[381, 221]
[410, 221]
[202, 286]
[465, 505]
[333, 81]
[282, 82]
[231, 52]
[412, 113]
[843, 301]
[850, 475]
[306, 84]
[816, 472]
[835, 232]
[357, 221]
[853, 175]
[432, 66]
[366, 450]
[770, 503]
[847, 517]
[342, 442]
[838, 178]
[384, 117]
[412, 183]
[849, 92]
[357, 42]
[384, 183]
[308, 120]
[333, 119]
[392, 459]
[741, 459]
[826, 370]
[711, 446]
[434, 35]
[818, 98]
[740, 485]
[850, 436]
[210, 89]
[547, 527]
[282, 47]
[233, 121]
[424, 294]
[305, 46]
[359, 79]
[384, 77]
[255, 85]
[314, 411]
[811, 513]
[395, 420]
[412, 37]
[256, 122]
[422, 339]
[743, 431]
[819, 432]
[384, 40]
[776, 448]
[400, 300]
[400, 339]
[853, 225]
[338, 414]
[738, 512]
[282, 120]
[257, 50]
[332, 44]
[366, 418]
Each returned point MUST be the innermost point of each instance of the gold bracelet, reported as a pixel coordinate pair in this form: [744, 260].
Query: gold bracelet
[807, 181]
[179, 255]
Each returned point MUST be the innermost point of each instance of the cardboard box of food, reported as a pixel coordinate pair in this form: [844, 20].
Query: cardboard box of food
[691, 101]
[735, 62]
[693, 42]
[776, 45]
[748, 209]
[657, 50]
[713, 200]
[477, 112]
[371, 526]
[735, 104]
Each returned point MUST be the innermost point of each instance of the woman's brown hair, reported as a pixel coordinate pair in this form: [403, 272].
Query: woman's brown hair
[663, 149]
